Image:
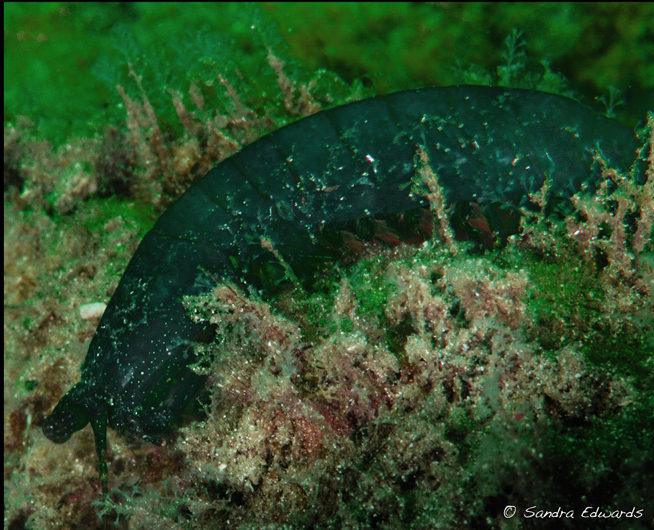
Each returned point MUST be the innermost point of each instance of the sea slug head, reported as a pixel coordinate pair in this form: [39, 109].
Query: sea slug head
[70, 415]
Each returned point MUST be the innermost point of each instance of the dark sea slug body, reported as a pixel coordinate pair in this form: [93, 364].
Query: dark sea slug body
[486, 145]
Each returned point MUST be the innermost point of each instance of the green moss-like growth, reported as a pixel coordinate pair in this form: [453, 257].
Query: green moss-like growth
[399, 46]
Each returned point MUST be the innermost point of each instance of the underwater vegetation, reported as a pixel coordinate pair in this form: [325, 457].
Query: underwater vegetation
[415, 387]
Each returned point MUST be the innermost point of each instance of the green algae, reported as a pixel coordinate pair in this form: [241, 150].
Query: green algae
[101, 211]
[392, 47]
